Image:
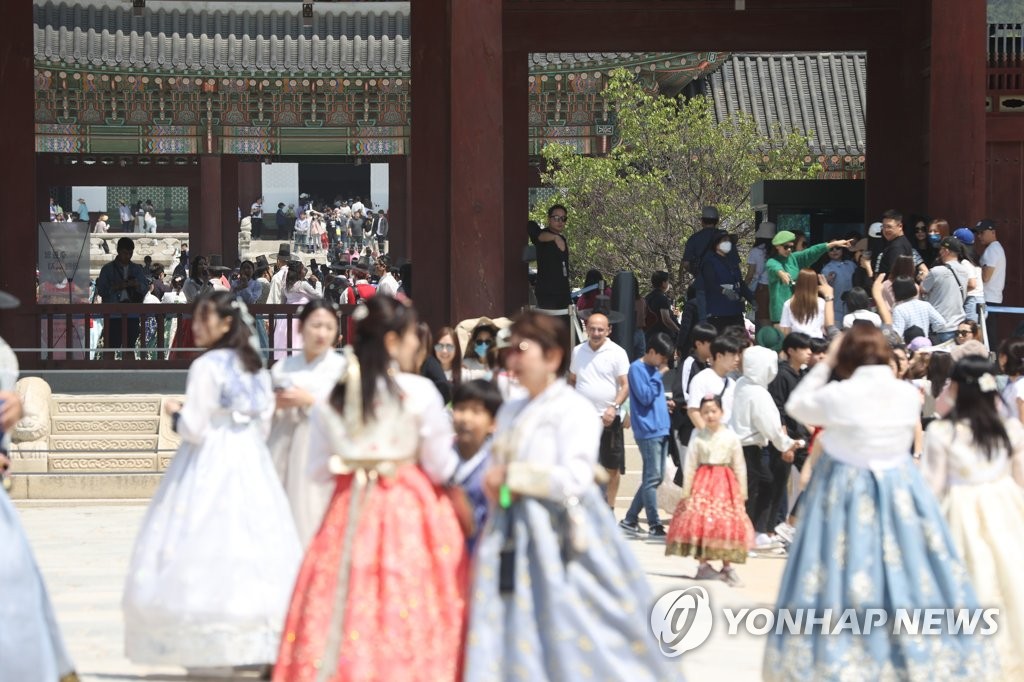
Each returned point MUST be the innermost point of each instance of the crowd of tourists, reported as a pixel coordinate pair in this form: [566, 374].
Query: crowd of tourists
[448, 490]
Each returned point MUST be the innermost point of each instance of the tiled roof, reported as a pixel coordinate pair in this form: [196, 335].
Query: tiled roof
[370, 38]
[364, 38]
[821, 94]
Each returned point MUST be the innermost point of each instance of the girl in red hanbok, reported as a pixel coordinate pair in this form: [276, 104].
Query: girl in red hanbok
[711, 521]
[381, 593]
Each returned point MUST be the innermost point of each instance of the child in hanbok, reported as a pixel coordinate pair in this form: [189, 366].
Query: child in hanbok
[557, 594]
[300, 382]
[974, 461]
[217, 553]
[31, 646]
[711, 520]
[474, 407]
[381, 593]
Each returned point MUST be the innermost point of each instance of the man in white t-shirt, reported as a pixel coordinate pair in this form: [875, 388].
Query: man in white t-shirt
[993, 270]
[993, 261]
[599, 370]
[715, 381]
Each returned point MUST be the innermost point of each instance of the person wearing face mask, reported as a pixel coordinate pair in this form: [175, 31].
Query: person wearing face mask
[474, 364]
[926, 237]
[724, 285]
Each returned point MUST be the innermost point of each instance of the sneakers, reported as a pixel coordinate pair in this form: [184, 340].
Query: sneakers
[630, 528]
[657, 533]
[786, 532]
[705, 572]
[764, 542]
[730, 577]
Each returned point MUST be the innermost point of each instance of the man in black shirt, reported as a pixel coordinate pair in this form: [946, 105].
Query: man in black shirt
[552, 288]
[898, 245]
[282, 222]
[659, 317]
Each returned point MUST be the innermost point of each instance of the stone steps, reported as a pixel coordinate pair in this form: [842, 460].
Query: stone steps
[96, 447]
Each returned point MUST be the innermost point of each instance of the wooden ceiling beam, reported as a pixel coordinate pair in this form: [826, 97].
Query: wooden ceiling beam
[672, 25]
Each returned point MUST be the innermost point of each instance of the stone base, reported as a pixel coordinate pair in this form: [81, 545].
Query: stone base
[84, 486]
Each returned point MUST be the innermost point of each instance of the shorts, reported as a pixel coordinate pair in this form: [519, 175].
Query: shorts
[612, 453]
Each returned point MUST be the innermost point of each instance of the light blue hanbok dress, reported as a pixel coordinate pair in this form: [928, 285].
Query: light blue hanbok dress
[578, 603]
[871, 536]
[31, 646]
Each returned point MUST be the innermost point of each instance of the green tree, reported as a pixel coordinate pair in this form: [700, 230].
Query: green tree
[635, 208]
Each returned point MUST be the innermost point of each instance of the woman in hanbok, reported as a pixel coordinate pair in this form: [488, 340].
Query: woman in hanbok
[300, 382]
[557, 594]
[298, 291]
[197, 283]
[217, 553]
[871, 534]
[381, 593]
[974, 461]
[31, 646]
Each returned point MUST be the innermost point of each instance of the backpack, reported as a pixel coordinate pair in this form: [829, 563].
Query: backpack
[651, 318]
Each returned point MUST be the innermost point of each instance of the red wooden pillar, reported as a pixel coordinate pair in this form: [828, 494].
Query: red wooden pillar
[398, 214]
[895, 174]
[205, 238]
[230, 203]
[430, 160]
[477, 161]
[516, 126]
[897, 96]
[17, 149]
[250, 185]
[956, 144]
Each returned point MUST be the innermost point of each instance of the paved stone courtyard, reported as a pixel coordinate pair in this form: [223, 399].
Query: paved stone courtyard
[83, 549]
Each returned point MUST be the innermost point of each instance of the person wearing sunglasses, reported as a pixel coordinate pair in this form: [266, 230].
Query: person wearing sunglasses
[552, 287]
[474, 362]
[785, 264]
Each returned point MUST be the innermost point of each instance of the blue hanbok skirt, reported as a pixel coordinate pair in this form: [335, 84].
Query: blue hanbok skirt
[31, 647]
[874, 539]
[570, 616]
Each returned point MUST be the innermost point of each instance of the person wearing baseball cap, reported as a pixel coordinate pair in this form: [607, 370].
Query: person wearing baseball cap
[697, 246]
[976, 286]
[993, 260]
[993, 268]
[784, 265]
[946, 287]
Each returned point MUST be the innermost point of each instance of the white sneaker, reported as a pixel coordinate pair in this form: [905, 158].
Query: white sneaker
[763, 541]
[730, 577]
[786, 532]
[705, 572]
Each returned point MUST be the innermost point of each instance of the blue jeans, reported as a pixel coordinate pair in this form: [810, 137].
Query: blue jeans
[652, 451]
[942, 337]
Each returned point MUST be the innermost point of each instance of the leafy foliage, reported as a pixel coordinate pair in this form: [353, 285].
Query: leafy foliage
[634, 208]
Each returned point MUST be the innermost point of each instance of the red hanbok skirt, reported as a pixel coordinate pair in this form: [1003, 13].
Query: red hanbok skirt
[404, 598]
[183, 338]
[713, 522]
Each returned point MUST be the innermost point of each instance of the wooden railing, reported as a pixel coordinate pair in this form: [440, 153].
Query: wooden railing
[1005, 57]
[138, 336]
